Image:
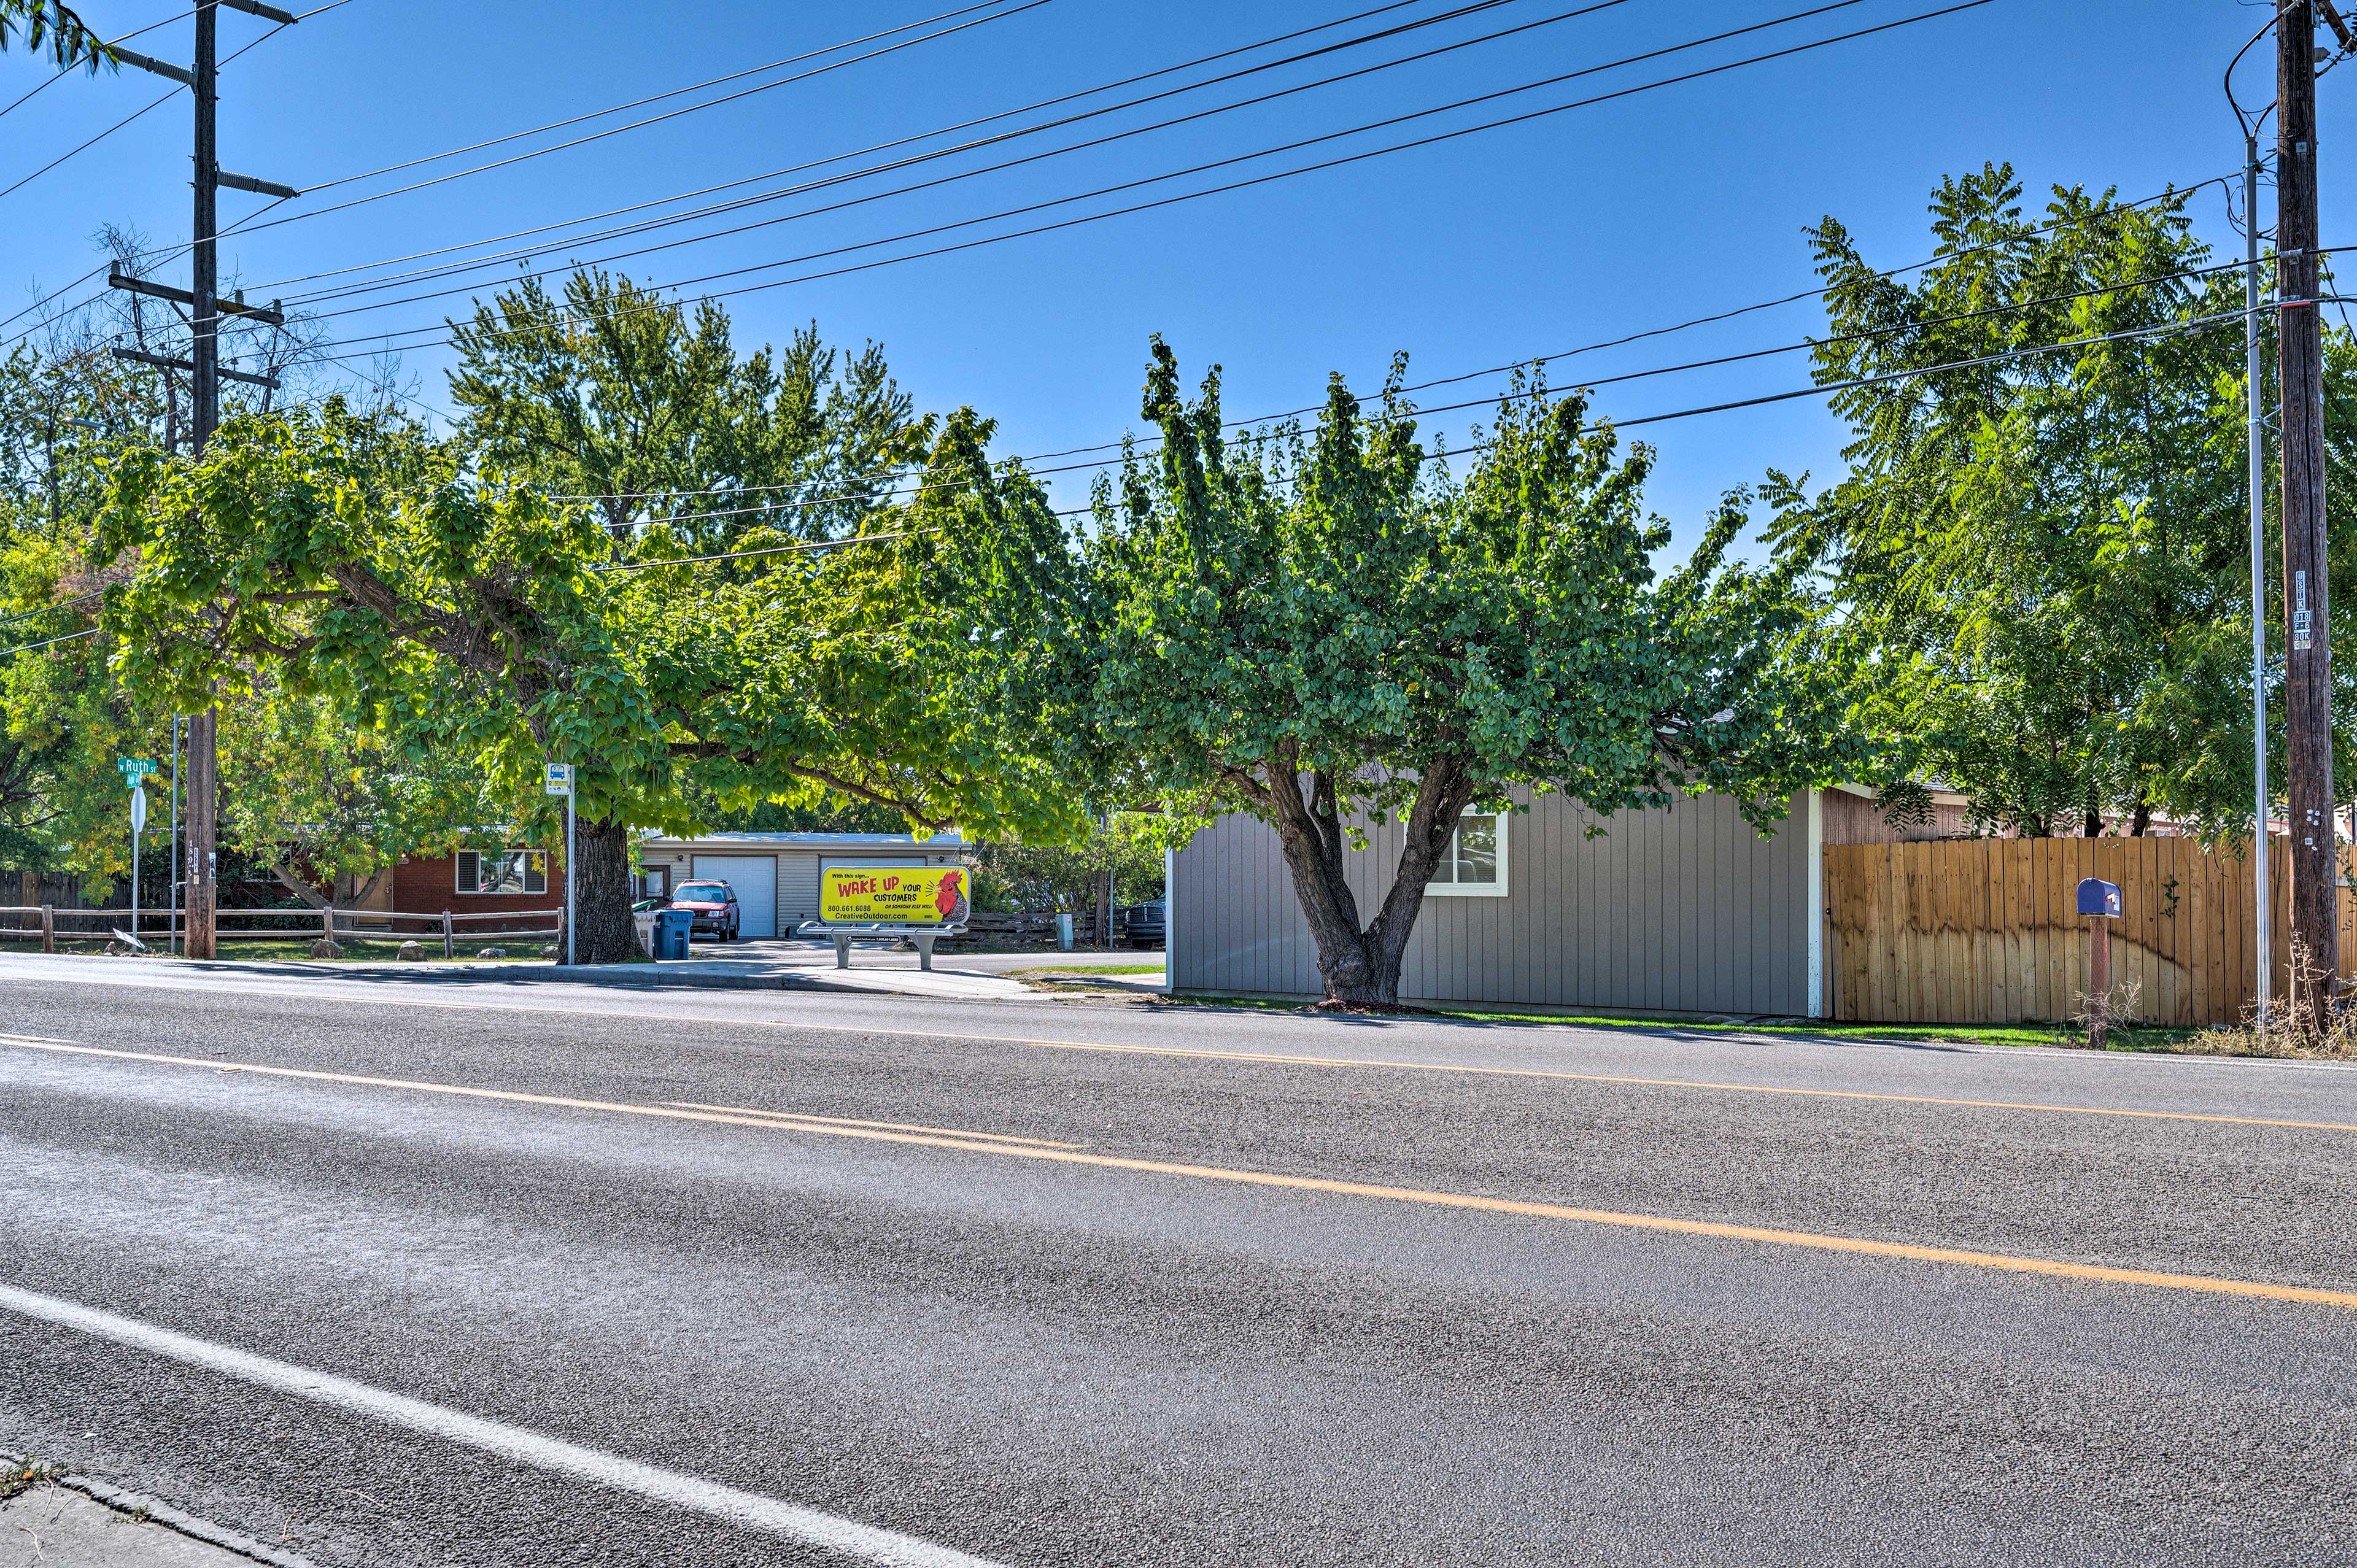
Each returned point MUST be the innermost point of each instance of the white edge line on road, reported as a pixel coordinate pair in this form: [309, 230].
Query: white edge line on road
[860, 1542]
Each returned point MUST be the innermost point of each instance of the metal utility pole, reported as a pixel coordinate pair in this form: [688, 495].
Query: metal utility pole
[2299, 361]
[205, 310]
[2262, 806]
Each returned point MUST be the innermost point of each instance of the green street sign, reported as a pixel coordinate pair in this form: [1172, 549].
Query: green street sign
[134, 767]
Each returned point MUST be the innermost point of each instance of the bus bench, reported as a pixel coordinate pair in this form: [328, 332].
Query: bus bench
[923, 936]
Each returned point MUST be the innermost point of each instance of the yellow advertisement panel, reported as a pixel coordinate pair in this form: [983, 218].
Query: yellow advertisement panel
[893, 894]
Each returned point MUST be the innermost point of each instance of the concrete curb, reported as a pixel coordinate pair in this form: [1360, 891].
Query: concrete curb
[156, 1512]
[631, 977]
[621, 977]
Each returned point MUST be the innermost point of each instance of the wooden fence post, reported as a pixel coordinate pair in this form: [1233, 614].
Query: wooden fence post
[49, 927]
[328, 923]
[446, 949]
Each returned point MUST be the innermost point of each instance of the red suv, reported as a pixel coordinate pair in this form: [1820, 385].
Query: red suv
[714, 905]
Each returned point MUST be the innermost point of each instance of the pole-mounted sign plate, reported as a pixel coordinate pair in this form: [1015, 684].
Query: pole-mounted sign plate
[134, 768]
[2097, 896]
[138, 810]
[560, 779]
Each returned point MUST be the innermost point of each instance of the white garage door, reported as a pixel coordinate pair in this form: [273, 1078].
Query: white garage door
[755, 878]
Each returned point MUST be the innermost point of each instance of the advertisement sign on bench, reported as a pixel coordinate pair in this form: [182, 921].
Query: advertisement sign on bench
[893, 894]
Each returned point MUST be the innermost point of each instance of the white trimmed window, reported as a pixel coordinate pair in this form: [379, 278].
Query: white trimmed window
[502, 871]
[1474, 866]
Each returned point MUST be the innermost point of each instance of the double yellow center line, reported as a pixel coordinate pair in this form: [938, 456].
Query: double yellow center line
[1008, 1145]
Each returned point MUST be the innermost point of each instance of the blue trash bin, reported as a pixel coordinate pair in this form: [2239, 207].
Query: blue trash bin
[671, 927]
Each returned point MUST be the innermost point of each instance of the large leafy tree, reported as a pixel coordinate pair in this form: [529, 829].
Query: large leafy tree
[361, 561]
[326, 796]
[2050, 549]
[1323, 628]
[618, 393]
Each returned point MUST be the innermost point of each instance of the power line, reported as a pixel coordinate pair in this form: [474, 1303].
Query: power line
[85, 598]
[861, 152]
[739, 203]
[654, 98]
[384, 339]
[250, 227]
[1102, 140]
[52, 642]
[1623, 341]
[168, 252]
[248, 224]
[158, 104]
[1478, 447]
[1821, 389]
[69, 70]
[1417, 413]
[136, 115]
[1826, 390]
[770, 550]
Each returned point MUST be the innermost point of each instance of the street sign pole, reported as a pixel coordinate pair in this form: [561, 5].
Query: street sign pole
[172, 877]
[558, 780]
[139, 822]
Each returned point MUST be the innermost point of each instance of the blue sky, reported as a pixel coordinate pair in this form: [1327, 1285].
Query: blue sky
[1534, 239]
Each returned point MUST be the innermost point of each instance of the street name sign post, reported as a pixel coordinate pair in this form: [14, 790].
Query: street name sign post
[559, 782]
[138, 825]
[2100, 902]
[135, 772]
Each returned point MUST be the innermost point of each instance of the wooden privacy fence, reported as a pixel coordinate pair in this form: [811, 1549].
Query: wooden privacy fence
[1987, 930]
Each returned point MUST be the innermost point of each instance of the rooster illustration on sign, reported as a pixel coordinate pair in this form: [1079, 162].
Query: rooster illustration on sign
[950, 901]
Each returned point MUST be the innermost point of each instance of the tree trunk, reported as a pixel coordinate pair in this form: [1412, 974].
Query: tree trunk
[2140, 823]
[603, 930]
[300, 889]
[1361, 969]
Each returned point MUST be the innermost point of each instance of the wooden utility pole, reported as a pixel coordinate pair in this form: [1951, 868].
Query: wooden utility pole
[204, 354]
[205, 375]
[2308, 682]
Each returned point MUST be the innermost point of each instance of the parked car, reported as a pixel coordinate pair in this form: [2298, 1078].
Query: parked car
[714, 905]
[1142, 923]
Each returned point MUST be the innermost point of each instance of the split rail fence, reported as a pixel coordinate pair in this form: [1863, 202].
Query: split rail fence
[49, 923]
[1987, 930]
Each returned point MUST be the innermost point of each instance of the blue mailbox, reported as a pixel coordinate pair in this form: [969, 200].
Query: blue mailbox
[2097, 896]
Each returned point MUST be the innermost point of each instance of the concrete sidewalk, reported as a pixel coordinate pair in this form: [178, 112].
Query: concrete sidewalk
[741, 966]
[52, 1526]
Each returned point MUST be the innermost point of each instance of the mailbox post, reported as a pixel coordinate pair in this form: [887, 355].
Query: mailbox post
[2100, 902]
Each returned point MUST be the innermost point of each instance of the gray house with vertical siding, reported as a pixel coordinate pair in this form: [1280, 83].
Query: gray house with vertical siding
[1687, 910]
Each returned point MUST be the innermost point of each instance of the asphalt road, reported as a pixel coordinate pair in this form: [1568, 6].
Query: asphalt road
[1091, 1283]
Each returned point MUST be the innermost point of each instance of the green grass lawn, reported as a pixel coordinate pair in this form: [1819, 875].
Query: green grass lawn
[2067, 1036]
[1085, 969]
